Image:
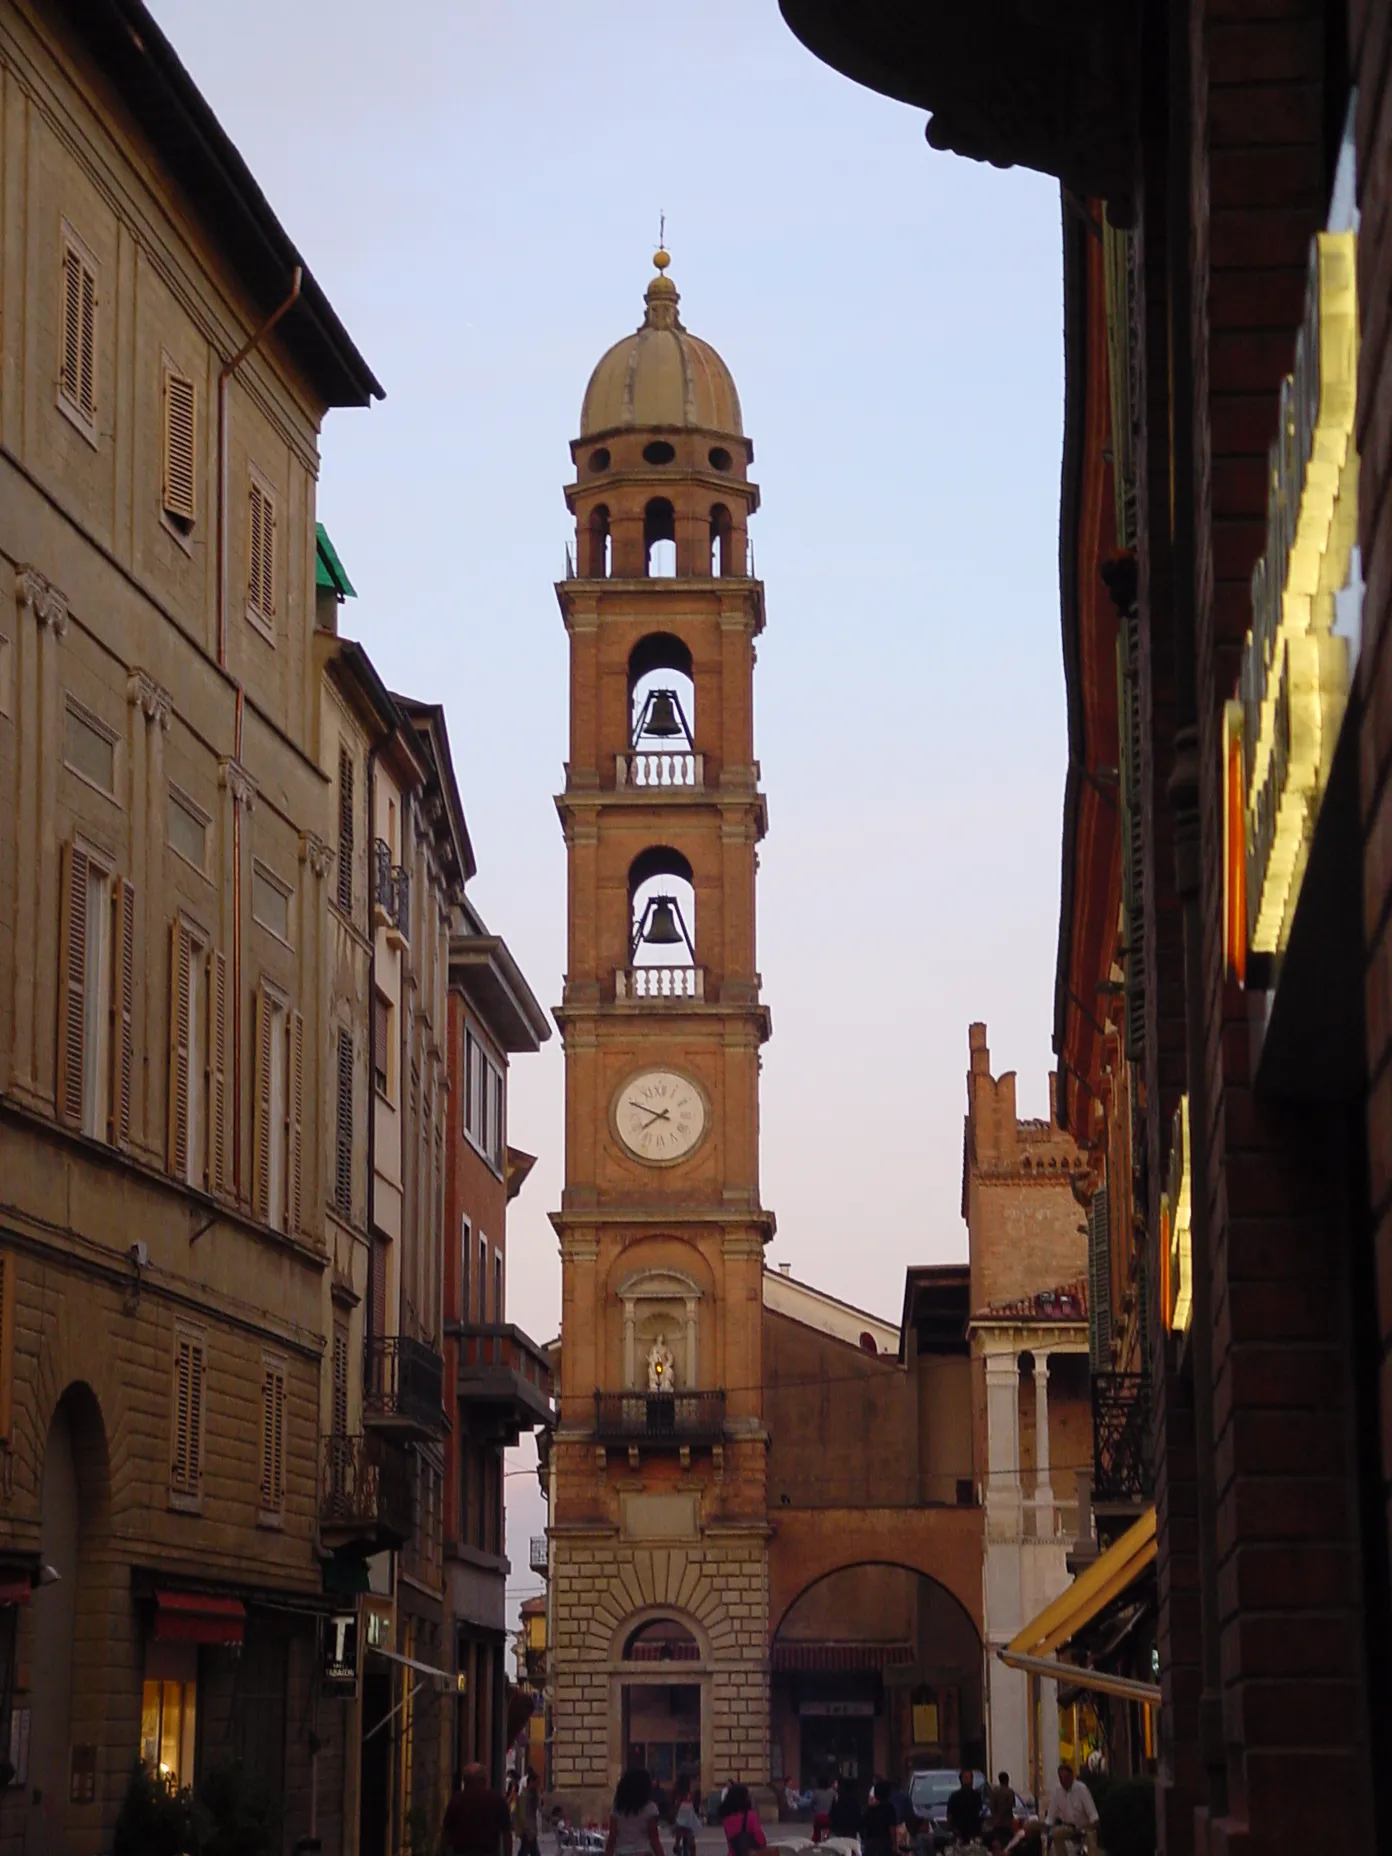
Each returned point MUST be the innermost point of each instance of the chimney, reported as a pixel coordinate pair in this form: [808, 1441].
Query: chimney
[980, 1054]
[785, 1269]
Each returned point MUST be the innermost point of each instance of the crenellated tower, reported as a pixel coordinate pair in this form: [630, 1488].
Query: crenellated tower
[659, 1521]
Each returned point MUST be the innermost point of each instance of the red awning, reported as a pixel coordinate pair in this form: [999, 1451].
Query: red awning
[833, 1657]
[15, 1591]
[199, 1617]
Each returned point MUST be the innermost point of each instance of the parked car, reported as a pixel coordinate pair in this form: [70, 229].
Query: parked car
[929, 1791]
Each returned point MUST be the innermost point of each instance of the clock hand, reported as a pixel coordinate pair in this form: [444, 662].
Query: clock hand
[653, 1114]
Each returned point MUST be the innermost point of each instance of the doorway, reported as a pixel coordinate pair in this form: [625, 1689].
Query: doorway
[662, 1730]
[376, 1762]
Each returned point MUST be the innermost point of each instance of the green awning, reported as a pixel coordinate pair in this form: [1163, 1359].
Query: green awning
[328, 569]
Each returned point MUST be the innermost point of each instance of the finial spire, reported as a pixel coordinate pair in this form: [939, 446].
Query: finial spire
[660, 257]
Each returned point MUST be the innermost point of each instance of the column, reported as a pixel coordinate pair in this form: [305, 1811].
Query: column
[693, 1364]
[1043, 1487]
[630, 1359]
[1003, 1442]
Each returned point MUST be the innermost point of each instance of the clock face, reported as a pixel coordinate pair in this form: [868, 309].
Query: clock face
[660, 1116]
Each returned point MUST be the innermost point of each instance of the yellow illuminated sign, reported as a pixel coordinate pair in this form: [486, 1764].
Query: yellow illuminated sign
[1295, 671]
[1176, 1208]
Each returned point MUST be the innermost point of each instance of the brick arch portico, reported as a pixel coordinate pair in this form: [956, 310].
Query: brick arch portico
[943, 1544]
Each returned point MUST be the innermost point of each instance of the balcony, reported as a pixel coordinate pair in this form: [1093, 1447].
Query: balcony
[504, 1379]
[660, 985]
[538, 1558]
[664, 771]
[659, 1418]
[365, 1494]
[391, 893]
[1121, 1475]
[404, 1390]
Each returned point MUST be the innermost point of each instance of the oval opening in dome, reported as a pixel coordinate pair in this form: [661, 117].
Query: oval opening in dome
[599, 459]
[658, 452]
[720, 458]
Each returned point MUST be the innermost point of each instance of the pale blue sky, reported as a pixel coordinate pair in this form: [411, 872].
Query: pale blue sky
[477, 187]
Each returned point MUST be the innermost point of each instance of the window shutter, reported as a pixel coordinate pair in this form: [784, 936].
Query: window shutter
[1100, 1283]
[261, 1111]
[180, 954]
[343, 1147]
[87, 376]
[254, 549]
[218, 1170]
[273, 1439]
[179, 445]
[268, 529]
[70, 360]
[186, 1464]
[122, 1013]
[377, 1286]
[340, 1380]
[1132, 850]
[294, 1070]
[72, 979]
[345, 831]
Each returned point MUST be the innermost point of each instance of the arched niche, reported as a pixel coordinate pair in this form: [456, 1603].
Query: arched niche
[664, 1303]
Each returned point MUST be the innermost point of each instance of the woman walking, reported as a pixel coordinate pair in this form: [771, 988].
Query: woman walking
[633, 1821]
[743, 1832]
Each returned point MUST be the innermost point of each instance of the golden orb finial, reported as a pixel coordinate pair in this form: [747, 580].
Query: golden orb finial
[661, 258]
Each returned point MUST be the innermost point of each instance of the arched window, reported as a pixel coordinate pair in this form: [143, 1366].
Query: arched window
[722, 541]
[663, 1640]
[659, 539]
[599, 555]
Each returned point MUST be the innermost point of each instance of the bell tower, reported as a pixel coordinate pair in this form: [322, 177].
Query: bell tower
[658, 1509]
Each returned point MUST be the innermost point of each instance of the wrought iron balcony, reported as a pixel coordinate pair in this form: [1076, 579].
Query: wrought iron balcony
[404, 1388]
[660, 985]
[1121, 1472]
[391, 891]
[504, 1379]
[660, 1417]
[661, 770]
[365, 1497]
[401, 901]
[537, 1557]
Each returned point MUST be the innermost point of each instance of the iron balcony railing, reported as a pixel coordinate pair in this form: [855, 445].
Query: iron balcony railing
[401, 901]
[365, 1492]
[391, 890]
[405, 1386]
[537, 1557]
[380, 868]
[1121, 1471]
[659, 1417]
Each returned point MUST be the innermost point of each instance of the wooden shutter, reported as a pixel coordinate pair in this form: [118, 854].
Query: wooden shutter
[377, 1287]
[72, 981]
[268, 531]
[122, 1013]
[179, 442]
[261, 1132]
[1100, 1283]
[77, 362]
[186, 1465]
[218, 1169]
[343, 1146]
[345, 831]
[254, 549]
[87, 375]
[340, 1380]
[294, 1076]
[180, 956]
[273, 1439]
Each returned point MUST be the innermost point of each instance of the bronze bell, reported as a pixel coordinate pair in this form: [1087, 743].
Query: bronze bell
[662, 927]
[663, 720]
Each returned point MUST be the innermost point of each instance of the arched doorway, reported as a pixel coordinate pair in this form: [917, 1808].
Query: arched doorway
[662, 1702]
[876, 1670]
[66, 1786]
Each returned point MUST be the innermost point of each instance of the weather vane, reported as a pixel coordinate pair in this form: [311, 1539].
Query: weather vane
[662, 231]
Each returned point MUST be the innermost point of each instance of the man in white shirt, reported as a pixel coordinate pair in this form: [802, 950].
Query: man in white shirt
[1072, 1815]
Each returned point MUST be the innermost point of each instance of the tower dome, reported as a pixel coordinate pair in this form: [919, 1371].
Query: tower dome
[661, 375]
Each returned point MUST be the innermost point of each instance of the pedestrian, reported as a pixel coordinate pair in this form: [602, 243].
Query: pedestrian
[687, 1822]
[843, 1819]
[823, 1797]
[964, 1808]
[477, 1820]
[1072, 1814]
[526, 1815]
[1002, 1807]
[880, 1821]
[743, 1832]
[633, 1827]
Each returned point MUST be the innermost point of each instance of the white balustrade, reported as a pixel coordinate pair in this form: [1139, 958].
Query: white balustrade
[683, 770]
[660, 983]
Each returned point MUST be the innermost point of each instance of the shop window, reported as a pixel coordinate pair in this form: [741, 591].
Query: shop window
[168, 1711]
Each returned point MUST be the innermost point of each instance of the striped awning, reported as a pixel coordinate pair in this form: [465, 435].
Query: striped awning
[832, 1658]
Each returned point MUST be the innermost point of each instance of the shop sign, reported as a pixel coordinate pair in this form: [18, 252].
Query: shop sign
[837, 1710]
[1295, 667]
[340, 1669]
[1176, 1257]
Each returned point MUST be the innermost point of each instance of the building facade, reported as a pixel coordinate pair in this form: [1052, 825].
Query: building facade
[659, 1515]
[164, 854]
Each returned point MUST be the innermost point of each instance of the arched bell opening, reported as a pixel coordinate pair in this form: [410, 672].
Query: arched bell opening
[598, 548]
[659, 539]
[662, 926]
[722, 542]
[661, 714]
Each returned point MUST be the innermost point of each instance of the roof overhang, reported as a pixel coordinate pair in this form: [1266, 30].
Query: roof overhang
[937, 1302]
[485, 972]
[1052, 87]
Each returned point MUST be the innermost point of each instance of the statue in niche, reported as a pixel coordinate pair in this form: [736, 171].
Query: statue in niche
[660, 1364]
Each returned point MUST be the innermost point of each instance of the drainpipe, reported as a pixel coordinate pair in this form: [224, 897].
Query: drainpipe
[371, 1019]
[1183, 793]
[224, 379]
